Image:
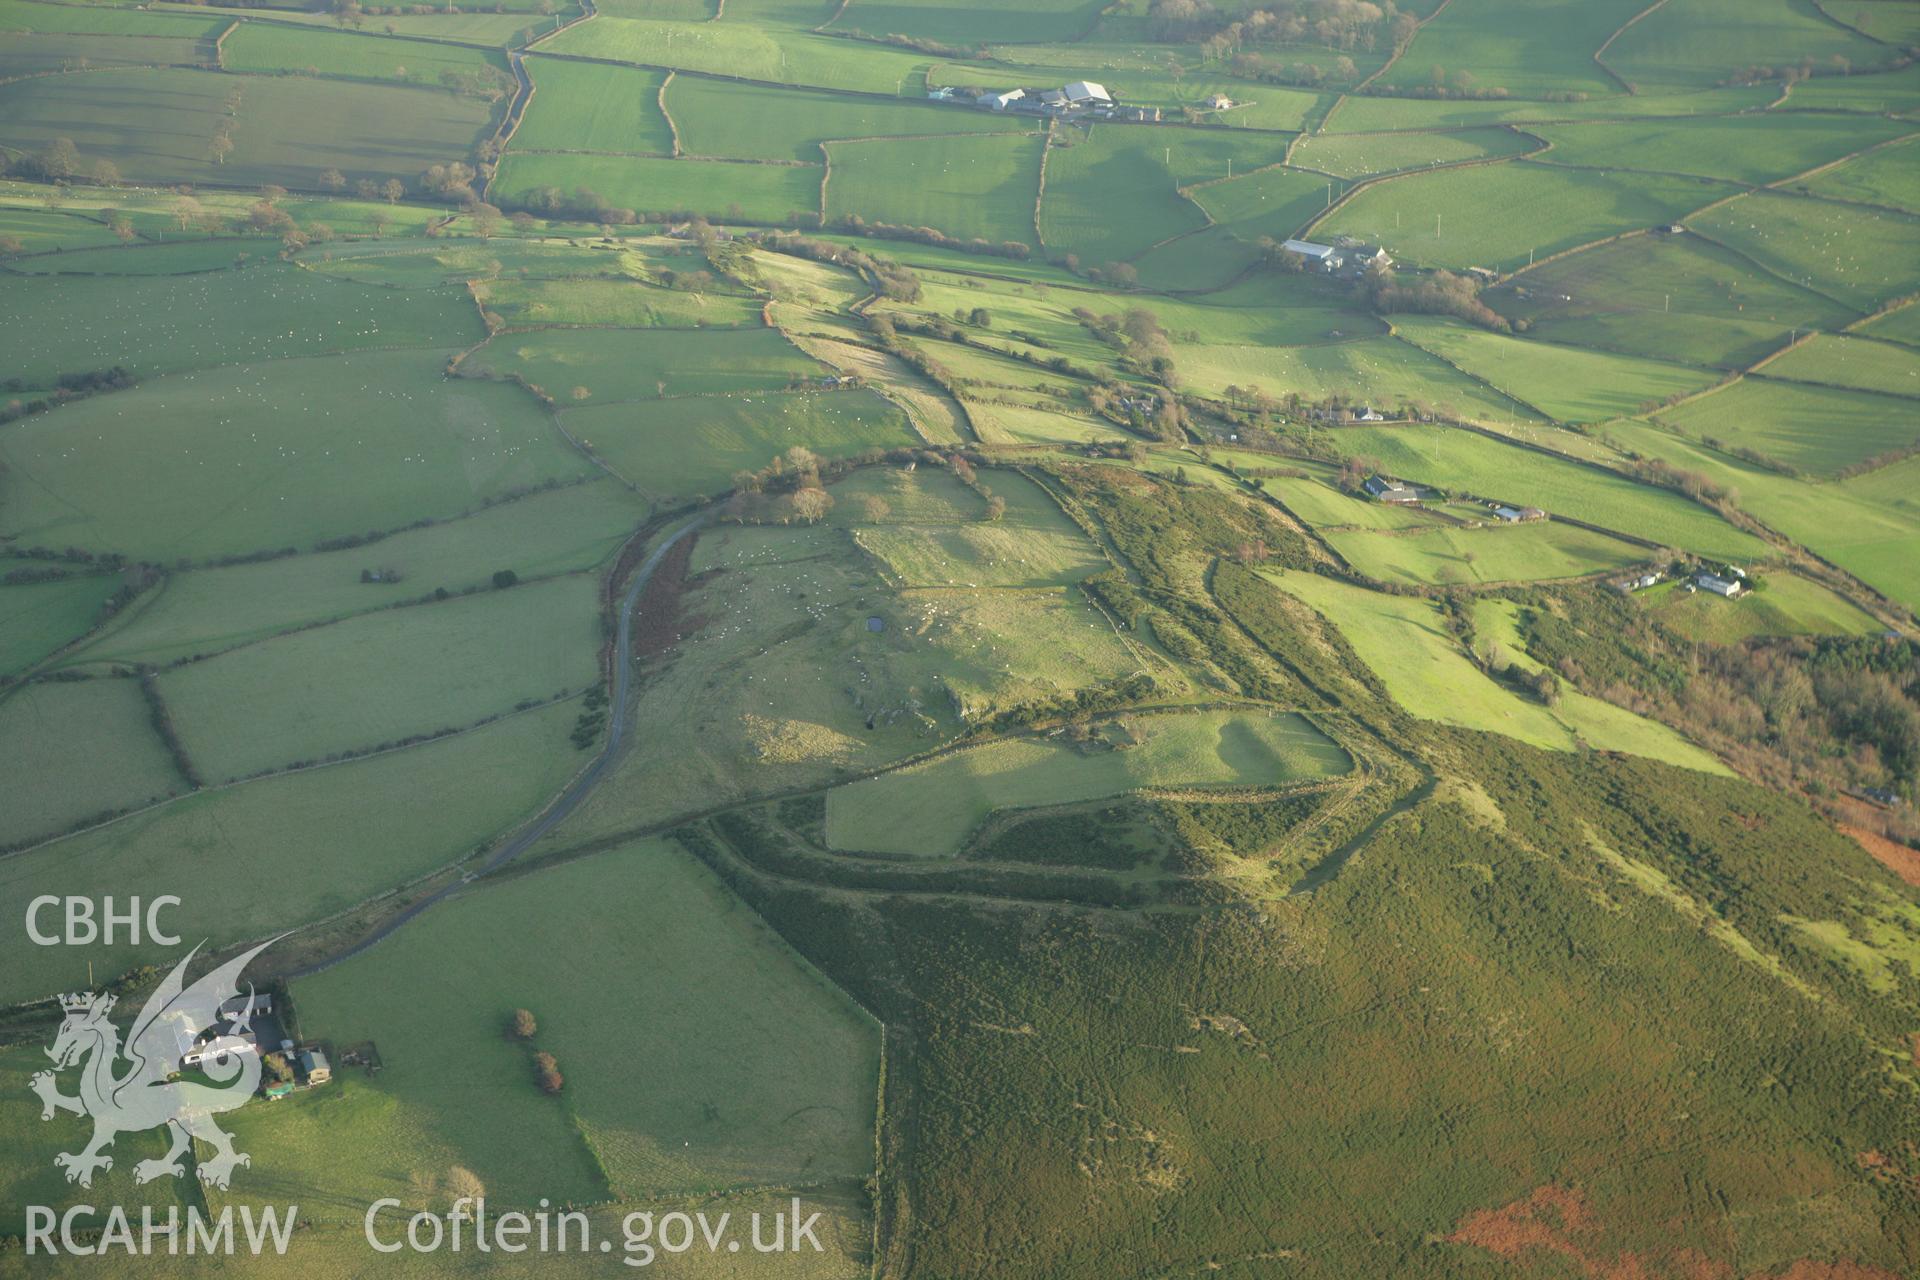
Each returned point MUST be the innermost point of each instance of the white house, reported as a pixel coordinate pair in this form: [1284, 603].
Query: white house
[1001, 101]
[1384, 490]
[1219, 102]
[1728, 587]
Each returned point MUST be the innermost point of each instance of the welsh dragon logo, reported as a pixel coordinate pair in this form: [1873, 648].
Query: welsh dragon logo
[142, 1097]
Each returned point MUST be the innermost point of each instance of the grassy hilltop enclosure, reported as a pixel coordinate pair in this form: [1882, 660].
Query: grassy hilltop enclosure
[1071, 640]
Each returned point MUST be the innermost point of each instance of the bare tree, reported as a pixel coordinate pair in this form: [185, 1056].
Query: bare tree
[393, 189]
[60, 159]
[811, 503]
[462, 1183]
[333, 180]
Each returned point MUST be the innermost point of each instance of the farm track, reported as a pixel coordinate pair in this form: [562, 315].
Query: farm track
[582, 786]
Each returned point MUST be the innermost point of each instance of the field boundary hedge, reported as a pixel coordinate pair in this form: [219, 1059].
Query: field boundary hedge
[673, 130]
[1394, 57]
[220, 45]
[1619, 31]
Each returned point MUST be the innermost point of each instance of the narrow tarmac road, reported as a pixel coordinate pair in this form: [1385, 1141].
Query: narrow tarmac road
[578, 790]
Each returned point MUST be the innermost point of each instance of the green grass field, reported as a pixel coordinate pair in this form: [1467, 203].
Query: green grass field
[756, 192]
[50, 230]
[1371, 115]
[784, 687]
[1380, 369]
[158, 126]
[965, 186]
[78, 748]
[758, 1070]
[1889, 91]
[627, 304]
[1862, 363]
[1032, 545]
[1678, 297]
[1855, 255]
[590, 106]
[105, 20]
[1702, 41]
[719, 118]
[29, 1176]
[985, 650]
[276, 48]
[420, 262]
[1883, 176]
[1108, 198]
[1350, 156]
[1145, 74]
[487, 28]
[24, 53]
[928, 810]
[1902, 325]
[37, 618]
[1784, 604]
[1272, 202]
[295, 848]
[1812, 429]
[1523, 46]
[1404, 640]
[1528, 553]
[693, 445]
[149, 258]
[1463, 461]
[384, 677]
[1749, 148]
[259, 457]
[1318, 503]
[1011, 20]
[163, 324]
[737, 49]
[1568, 383]
[206, 610]
[1224, 881]
[615, 365]
[1496, 216]
[1208, 261]
[1866, 525]
[929, 496]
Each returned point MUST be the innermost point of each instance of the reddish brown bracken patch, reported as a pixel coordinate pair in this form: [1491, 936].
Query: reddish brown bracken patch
[658, 624]
[1558, 1220]
[1894, 856]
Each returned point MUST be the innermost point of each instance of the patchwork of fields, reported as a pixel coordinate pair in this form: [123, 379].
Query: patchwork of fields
[968, 681]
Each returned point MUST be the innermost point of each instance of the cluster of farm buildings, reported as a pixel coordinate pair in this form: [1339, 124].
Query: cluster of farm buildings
[1730, 581]
[1348, 256]
[248, 1025]
[1083, 99]
[1400, 493]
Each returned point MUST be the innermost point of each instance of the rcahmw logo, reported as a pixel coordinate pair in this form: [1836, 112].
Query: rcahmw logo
[142, 1096]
